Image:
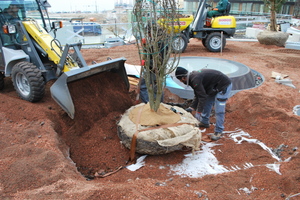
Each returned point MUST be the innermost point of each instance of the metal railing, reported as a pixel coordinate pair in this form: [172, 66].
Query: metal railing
[109, 33]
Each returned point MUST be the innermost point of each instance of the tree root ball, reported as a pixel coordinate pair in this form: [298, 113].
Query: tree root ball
[272, 38]
[159, 138]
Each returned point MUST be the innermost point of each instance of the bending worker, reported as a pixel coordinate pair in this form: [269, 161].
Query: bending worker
[211, 88]
[219, 9]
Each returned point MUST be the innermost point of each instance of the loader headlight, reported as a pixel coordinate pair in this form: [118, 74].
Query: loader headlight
[9, 29]
[57, 25]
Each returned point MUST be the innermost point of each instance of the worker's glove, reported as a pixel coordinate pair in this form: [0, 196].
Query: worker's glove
[189, 109]
[215, 9]
[198, 116]
[143, 62]
[143, 41]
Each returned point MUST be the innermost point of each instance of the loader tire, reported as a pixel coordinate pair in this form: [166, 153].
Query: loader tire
[213, 42]
[1, 80]
[179, 43]
[28, 81]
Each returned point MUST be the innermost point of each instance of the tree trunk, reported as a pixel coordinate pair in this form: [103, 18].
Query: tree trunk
[273, 23]
[154, 22]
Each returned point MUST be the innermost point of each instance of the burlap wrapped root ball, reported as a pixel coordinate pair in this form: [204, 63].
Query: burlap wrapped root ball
[159, 132]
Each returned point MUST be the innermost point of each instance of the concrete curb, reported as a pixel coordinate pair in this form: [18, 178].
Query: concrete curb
[242, 40]
[292, 45]
[288, 45]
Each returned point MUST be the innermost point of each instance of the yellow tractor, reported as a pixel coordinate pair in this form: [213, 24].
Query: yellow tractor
[31, 56]
[213, 36]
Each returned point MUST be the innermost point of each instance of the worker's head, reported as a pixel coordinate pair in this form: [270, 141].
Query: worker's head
[13, 9]
[181, 74]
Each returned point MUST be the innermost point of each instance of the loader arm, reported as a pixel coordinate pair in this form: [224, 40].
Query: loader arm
[49, 45]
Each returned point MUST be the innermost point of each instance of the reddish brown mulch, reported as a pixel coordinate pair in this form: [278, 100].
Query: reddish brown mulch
[46, 155]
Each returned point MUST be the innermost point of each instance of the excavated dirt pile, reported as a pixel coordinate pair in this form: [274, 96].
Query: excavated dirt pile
[97, 111]
[46, 155]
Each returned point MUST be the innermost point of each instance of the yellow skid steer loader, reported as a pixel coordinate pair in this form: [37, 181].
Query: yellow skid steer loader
[32, 57]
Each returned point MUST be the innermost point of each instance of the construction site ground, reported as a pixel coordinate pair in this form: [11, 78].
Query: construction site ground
[46, 155]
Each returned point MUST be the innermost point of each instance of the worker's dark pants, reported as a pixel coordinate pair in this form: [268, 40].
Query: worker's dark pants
[143, 90]
[219, 101]
[213, 13]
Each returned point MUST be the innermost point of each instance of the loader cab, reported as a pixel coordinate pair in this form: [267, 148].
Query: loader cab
[14, 13]
[13, 36]
[10, 14]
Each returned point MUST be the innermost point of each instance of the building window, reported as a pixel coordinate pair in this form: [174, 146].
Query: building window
[246, 8]
[234, 8]
[256, 9]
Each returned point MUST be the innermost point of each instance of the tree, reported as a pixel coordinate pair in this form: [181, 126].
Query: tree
[155, 25]
[274, 6]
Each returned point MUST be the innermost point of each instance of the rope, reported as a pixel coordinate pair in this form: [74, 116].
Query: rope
[165, 46]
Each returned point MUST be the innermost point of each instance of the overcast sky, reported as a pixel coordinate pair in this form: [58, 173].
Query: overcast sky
[81, 5]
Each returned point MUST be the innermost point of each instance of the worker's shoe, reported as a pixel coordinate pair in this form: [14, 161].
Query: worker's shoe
[202, 125]
[216, 136]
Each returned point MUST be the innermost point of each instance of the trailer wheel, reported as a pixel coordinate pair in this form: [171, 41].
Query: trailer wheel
[179, 43]
[1, 80]
[28, 81]
[213, 42]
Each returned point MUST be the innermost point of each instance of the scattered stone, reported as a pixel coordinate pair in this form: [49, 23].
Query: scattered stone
[160, 184]
[295, 148]
[199, 194]
[279, 149]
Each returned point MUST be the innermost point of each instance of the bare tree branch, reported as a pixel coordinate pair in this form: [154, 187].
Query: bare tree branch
[155, 25]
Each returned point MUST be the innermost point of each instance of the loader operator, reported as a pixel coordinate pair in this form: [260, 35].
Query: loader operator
[219, 9]
[11, 13]
[211, 88]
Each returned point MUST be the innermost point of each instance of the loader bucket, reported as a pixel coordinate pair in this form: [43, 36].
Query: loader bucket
[60, 91]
